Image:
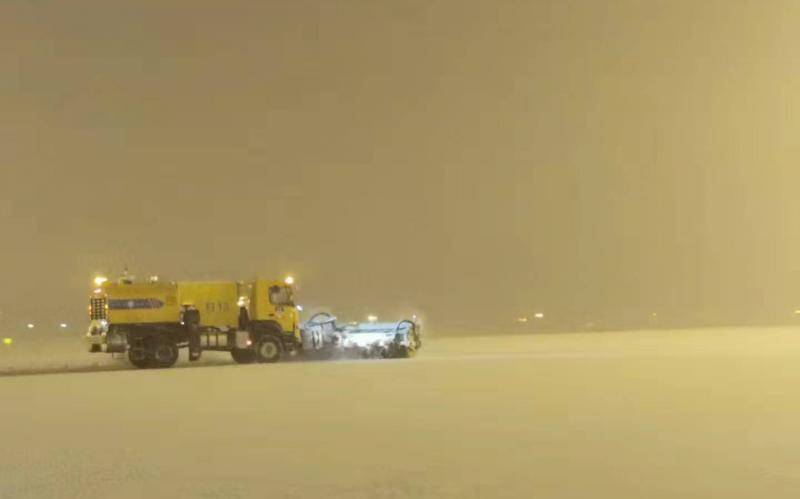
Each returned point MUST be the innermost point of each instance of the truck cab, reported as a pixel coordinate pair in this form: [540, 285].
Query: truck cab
[272, 304]
[268, 312]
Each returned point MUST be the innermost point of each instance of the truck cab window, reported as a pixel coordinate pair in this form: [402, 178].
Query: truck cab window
[279, 295]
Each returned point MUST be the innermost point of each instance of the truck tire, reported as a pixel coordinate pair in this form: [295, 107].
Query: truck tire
[268, 349]
[243, 356]
[138, 357]
[164, 353]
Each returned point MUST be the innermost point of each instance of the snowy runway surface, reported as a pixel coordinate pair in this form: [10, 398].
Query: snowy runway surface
[695, 413]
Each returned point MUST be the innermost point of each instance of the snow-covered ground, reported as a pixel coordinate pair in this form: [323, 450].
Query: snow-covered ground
[661, 414]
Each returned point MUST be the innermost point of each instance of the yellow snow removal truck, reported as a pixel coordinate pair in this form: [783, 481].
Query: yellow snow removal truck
[255, 321]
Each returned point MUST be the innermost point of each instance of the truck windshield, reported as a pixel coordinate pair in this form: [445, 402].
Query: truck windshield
[280, 295]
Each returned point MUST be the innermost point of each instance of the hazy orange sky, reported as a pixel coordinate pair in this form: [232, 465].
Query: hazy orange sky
[473, 160]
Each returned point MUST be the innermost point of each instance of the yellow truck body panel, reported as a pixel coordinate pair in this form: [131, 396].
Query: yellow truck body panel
[142, 303]
[157, 302]
[216, 301]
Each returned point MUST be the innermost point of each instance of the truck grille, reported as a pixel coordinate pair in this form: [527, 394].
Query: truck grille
[98, 308]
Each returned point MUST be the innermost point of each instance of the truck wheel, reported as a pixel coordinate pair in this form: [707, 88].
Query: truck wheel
[164, 354]
[268, 349]
[139, 358]
[243, 356]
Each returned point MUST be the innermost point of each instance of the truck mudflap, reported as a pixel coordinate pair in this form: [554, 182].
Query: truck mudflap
[385, 340]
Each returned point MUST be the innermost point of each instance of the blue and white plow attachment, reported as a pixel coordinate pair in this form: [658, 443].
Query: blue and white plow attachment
[368, 339]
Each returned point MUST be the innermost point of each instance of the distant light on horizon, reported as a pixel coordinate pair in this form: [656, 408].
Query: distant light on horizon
[100, 280]
[539, 315]
[63, 325]
[7, 341]
[31, 326]
[372, 318]
[522, 320]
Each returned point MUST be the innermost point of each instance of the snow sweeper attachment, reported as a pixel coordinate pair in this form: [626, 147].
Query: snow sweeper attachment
[384, 340]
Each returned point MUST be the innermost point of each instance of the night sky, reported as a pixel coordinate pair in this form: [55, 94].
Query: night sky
[470, 161]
